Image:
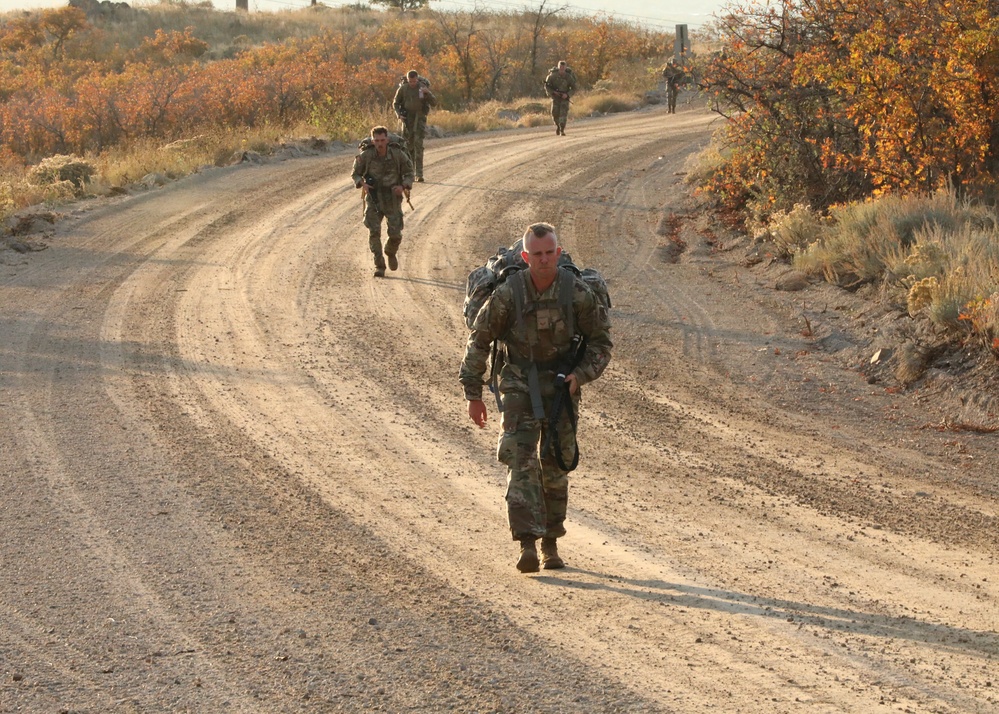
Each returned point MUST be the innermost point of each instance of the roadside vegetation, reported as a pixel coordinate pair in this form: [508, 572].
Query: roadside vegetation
[862, 143]
[94, 98]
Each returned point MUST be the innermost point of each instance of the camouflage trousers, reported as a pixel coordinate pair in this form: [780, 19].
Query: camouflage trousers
[560, 111]
[672, 90]
[378, 205]
[537, 489]
[413, 131]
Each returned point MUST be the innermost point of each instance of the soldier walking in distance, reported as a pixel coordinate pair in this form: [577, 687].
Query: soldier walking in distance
[674, 75]
[560, 84]
[412, 103]
[384, 174]
[535, 314]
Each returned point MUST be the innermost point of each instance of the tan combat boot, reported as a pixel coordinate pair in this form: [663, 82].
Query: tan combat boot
[550, 559]
[528, 562]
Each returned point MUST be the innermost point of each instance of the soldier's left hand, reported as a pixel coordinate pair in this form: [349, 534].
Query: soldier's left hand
[572, 383]
[397, 190]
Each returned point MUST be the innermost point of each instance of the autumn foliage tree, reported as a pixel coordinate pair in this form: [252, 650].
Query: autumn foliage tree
[70, 86]
[833, 100]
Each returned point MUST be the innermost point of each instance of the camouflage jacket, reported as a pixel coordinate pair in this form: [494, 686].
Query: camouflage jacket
[556, 82]
[407, 99]
[542, 336]
[393, 169]
[674, 74]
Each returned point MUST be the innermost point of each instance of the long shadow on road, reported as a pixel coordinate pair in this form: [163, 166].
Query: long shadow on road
[857, 622]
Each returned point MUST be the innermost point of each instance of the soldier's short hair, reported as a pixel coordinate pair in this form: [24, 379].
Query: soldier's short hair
[539, 230]
[412, 73]
[379, 130]
[561, 63]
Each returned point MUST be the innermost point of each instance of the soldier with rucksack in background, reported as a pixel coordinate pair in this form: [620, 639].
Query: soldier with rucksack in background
[560, 84]
[675, 76]
[384, 173]
[546, 333]
[412, 103]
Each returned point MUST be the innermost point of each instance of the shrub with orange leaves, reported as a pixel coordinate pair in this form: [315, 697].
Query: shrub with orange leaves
[835, 100]
[67, 86]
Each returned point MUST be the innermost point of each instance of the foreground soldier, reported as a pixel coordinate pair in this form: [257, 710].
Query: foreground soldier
[412, 103]
[537, 340]
[383, 173]
[560, 85]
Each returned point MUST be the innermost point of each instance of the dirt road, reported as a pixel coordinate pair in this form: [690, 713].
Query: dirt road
[238, 475]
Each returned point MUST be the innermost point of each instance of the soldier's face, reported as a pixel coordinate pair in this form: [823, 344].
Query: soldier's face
[412, 81]
[541, 255]
[381, 142]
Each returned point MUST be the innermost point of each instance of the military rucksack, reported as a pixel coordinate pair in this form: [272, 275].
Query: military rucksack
[420, 79]
[422, 82]
[568, 70]
[483, 280]
[554, 71]
[394, 140]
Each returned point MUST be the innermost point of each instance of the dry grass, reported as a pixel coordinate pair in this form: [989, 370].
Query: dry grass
[487, 117]
[940, 252]
[123, 166]
[532, 120]
[18, 192]
[338, 121]
[597, 102]
[792, 232]
[120, 167]
[631, 79]
[874, 240]
[912, 362]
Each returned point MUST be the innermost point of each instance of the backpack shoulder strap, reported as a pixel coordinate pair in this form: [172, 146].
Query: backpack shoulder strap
[566, 290]
[519, 288]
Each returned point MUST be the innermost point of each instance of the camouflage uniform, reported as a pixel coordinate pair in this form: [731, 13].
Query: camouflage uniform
[537, 489]
[413, 111]
[393, 169]
[566, 83]
[674, 75]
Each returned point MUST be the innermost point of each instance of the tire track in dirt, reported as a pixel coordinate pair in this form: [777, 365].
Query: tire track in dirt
[386, 433]
[103, 595]
[260, 332]
[304, 425]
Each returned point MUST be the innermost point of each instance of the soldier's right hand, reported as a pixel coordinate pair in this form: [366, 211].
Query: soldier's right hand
[477, 412]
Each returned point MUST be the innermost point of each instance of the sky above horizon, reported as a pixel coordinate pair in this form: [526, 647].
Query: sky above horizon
[662, 14]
